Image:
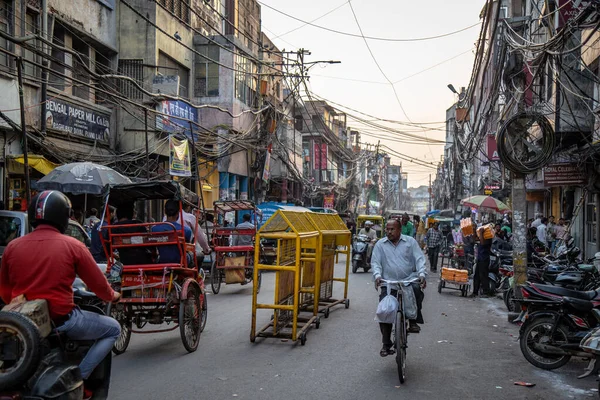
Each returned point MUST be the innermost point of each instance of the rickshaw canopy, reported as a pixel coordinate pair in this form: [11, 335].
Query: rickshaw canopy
[153, 190]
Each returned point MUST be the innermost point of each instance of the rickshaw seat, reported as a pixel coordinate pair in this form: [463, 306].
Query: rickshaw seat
[150, 267]
[234, 248]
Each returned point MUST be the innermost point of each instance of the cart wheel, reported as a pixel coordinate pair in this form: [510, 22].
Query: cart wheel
[121, 314]
[317, 323]
[190, 319]
[204, 315]
[303, 338]
[215, 277]
[326, 313]
[440, 286]
[347, 303]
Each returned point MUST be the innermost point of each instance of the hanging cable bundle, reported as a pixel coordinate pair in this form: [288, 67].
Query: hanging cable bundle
[526, 142]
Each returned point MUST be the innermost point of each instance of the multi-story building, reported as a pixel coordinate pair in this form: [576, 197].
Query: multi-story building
[70, 113]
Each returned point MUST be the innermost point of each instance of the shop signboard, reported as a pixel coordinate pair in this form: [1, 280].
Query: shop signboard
[320, 156]
[328, 201]
[174, 116]
[568, 9]
[564, 174]
[492, 148]
[77, 120]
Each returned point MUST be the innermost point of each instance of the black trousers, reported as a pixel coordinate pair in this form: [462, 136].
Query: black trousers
[386, 329]
[433, 253]
[480, 277]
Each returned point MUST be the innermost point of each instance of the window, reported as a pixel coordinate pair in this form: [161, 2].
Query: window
[179, 8]
[6, 26]
[57, 62]
[206, 81]
[168, 66]
[79, 68]
[32, 27]
[135, 70]
[245, 82]
[590, 218]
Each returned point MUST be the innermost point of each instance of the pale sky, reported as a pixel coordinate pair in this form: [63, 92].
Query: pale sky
[425, 97]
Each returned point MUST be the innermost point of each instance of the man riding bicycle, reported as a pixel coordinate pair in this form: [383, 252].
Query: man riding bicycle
[398, 257]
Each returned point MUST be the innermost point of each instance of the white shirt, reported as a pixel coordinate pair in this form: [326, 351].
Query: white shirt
[541, 233]
[536, 223]
[403, 261]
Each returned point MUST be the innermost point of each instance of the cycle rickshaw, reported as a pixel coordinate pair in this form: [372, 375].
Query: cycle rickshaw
[233, 247]
[155, 293]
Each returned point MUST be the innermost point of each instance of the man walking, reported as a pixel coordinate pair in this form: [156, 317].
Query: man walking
[482, 268]
[542, 232]
[407, 226]
[397, 257]
[433, 238]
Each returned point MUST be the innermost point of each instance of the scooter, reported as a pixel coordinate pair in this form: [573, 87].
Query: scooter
[40, 363]
[360, 245]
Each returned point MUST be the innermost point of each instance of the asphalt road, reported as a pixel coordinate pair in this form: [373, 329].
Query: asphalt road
[466, 350]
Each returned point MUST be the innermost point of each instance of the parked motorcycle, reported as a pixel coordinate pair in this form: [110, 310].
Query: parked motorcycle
[591, 344]
[556, 321]
[360, 245]
[40, 366]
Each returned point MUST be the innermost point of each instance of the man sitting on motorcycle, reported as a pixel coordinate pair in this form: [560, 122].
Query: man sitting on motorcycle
[43, 265]
[372, 235]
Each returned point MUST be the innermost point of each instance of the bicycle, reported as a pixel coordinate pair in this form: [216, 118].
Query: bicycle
[399, 335]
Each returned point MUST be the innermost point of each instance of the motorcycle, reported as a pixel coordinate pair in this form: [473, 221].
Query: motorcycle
[591, 344]
[360, 246]
[40, 363]
[555, 323]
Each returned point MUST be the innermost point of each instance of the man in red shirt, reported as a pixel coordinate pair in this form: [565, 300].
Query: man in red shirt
[43, 265]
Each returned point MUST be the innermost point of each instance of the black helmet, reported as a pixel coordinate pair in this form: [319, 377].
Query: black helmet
[50, 207]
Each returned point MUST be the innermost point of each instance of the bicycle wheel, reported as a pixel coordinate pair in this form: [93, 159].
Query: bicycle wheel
[401, 345]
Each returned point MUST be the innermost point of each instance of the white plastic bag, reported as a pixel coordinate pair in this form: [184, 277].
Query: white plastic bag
[386, 310]
[410, 302]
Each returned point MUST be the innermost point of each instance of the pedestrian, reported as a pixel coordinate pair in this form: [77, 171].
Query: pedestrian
[92, 220]
[351, 225]
[407, 226]
[482, 267]
[469, 242]
[398, 257]
[542, 231]
[560, 231]
[550, 235]
[433, 238]
[537, 221]
[421, 231]
[96, 248]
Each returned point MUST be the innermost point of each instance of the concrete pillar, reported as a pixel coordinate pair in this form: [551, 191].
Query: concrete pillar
[519, 233]
[223, 186]
[243, 188]
[232, 186]
[284, 190]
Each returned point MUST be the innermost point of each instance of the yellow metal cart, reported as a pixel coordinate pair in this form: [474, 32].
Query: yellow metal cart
[297, 250]
[334, 239]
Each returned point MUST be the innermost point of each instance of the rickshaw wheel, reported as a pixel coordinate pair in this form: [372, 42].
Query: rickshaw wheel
[215, 278]
[204, 314]
[190, 319]
[120, 314]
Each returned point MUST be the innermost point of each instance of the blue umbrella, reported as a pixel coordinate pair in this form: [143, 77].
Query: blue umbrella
[433, 212]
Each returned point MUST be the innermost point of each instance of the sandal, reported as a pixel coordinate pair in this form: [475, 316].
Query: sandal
[386, 351]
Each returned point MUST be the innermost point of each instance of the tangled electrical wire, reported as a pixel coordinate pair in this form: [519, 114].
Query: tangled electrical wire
[517, 153]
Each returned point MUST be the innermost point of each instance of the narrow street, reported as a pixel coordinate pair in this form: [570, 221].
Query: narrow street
[466, 350]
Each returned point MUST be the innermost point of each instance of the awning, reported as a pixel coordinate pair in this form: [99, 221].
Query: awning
[39, 163]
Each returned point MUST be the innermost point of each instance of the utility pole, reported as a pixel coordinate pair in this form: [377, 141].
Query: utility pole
[19, 61]
[519, 228]
[429, 192]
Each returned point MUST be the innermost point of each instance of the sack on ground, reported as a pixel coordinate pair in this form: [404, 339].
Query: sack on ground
[386, 310]
[410, 302]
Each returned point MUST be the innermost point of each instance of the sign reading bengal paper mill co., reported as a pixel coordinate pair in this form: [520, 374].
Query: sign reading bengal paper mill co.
[564, 174]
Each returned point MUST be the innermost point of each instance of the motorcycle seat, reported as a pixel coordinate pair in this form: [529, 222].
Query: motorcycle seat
[578, 304]
[560, 291]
